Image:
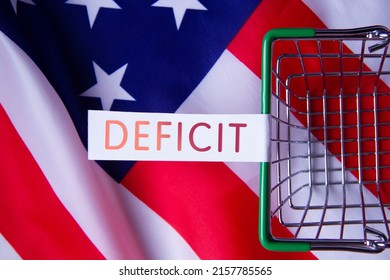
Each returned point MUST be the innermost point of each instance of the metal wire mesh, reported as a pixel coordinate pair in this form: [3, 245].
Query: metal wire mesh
[330, 120]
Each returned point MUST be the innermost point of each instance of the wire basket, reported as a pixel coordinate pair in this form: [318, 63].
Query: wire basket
[327, 184]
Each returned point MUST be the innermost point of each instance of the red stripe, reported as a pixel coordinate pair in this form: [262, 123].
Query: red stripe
[210, 207]
[366, 117]
[270, 14]
[247, 48]
[32, 218]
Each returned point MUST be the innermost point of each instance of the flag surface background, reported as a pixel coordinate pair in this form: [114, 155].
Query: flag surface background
[59, 59]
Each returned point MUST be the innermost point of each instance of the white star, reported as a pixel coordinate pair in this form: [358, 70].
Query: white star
[93, 7]
[108, 87]
[14, 4]
[180, 7]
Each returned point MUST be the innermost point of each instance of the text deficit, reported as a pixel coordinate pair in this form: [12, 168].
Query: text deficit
[177, 137]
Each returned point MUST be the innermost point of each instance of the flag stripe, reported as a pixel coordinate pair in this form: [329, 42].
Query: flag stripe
[36, 110]
[221, 84]
[277, 11]
[226, 69]
[361, 156]
[214, 211]
[7, 252]
[209, 206]
[104, 209]
[335, 197]
[208, 97]
[270, 14]
[208, 184]
[31, 216]
[229, 88]
[351, 14]
[158, 240]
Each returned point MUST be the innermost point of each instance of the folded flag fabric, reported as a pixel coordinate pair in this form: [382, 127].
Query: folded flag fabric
[59, 59]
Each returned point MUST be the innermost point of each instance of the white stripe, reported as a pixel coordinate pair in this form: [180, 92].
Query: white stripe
[228, 85]
[351, 14]
[233, 88]
[89, 194]
[229, 88]
[7, 252]
[158, 240]
[321, 195]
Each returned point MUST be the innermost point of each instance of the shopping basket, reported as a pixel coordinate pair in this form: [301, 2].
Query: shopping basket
[327, 182]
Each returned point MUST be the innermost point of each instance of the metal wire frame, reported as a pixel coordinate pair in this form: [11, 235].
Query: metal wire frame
[317, 193]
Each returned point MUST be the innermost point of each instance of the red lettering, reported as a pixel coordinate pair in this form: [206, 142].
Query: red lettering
[107, 143]
[220, 130]
[138, 135]
[237, 126]
[160, 135]
[191, 137]
[179, 136]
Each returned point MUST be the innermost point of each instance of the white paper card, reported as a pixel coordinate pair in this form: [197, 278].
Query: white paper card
[178, 137]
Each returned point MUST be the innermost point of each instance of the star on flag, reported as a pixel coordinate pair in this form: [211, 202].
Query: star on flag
[108, 87]
[180, 7]
[93, 7]
[14, 4]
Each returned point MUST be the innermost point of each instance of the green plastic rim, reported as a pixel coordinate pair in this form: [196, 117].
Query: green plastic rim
[265, 236]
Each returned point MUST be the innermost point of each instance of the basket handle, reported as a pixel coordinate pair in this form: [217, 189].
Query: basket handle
[376, 32]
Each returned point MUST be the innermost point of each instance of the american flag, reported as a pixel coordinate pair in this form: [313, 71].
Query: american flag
[61, 58]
